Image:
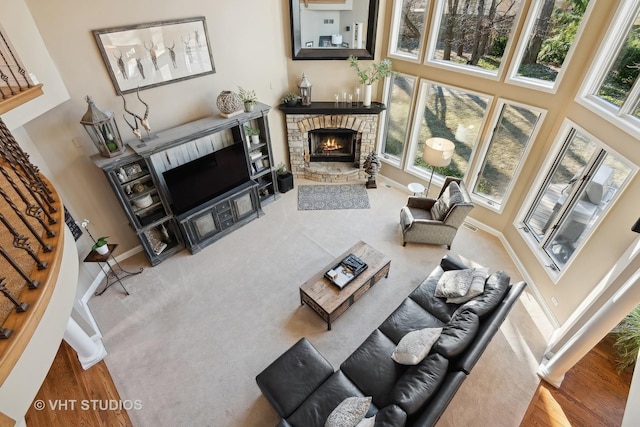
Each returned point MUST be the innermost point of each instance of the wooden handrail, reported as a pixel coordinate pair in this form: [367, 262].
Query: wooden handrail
[25, 324]
[21, 97]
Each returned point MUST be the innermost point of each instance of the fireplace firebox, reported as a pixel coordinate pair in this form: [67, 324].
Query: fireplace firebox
[332, 145]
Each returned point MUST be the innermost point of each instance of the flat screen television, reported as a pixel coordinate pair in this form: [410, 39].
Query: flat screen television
[206, 178]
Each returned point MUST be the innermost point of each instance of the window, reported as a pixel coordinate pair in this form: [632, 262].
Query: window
[451, 113]
[472, 35]
[548, 37]
[515, 127]
[613, 88]
[583, 180]
[399, 95]
[407, 28]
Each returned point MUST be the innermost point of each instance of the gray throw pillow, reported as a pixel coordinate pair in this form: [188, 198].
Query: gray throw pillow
[450, 196]
[349, 412]
[415, 346]
[454, 283]
[478, 279]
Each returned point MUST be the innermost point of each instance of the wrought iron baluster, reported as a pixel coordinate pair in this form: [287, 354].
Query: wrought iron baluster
[22, 242]
[20, 306]
[21, 69]
[32, 283]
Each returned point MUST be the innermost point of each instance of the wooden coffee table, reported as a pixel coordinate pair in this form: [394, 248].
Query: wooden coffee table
[327, 300]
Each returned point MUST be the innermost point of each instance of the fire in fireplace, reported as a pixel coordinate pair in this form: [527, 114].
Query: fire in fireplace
[332, 145]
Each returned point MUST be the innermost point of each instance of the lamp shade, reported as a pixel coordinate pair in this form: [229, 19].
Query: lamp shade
[438, 152]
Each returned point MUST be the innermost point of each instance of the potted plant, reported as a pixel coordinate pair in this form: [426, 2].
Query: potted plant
[253, 134]
[284, 178]
[100, 246]
[370, 75]
[248, 97]
[290, 99]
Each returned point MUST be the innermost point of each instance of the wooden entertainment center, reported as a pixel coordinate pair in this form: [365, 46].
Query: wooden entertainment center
[137, 179]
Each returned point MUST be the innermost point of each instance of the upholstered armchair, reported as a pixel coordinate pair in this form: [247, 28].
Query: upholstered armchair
[436, 221]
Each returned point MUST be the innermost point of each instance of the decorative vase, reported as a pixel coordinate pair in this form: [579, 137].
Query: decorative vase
[248, 107]
[255, 139]
[102, 250]
[367, 96]
[228, 102]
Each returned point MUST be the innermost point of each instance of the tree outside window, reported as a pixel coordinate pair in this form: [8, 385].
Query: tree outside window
[399, 98]
[550, 37]
[473, 33]
[408, 28]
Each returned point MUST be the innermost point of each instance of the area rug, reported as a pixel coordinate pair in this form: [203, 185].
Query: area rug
[328, 197]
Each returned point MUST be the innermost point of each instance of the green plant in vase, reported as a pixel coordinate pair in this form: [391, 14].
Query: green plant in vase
[627, 342]
[253, 134]
[101, 246]
[248, 97]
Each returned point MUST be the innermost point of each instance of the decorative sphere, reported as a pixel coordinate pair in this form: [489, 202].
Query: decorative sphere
[228, 102]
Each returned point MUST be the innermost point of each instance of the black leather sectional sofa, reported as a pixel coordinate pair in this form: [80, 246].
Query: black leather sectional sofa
[303, 388]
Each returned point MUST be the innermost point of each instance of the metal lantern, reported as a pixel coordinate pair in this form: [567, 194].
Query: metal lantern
[305, 90]
[103, 130]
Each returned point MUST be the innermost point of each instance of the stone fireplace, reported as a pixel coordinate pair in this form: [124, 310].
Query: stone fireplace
[329, 142]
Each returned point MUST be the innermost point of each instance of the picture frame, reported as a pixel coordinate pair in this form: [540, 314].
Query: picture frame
[309, 44]
[324, 41]
[148, 55]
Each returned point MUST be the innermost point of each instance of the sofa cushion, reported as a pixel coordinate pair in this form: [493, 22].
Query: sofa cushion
[371, 368]
[423, 295]
[349, 412]
[495, 289]
[419, 383]
[409, 316]
[454, 283]
[293, 376]
[316, 409]
[391, 416]
[478, 279]
[457, 334]
[415, 346]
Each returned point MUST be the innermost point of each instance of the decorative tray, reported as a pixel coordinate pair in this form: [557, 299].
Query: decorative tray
[346, 270]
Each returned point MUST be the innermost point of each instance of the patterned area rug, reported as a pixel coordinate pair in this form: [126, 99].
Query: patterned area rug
[327, 197]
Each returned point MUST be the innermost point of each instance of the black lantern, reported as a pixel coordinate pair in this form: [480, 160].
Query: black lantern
[305, 90]
[103, 130]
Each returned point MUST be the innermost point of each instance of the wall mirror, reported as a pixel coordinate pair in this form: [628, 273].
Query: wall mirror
[333, 29]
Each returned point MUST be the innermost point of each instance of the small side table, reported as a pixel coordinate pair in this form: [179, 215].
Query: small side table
[112, 275]
[415, 188]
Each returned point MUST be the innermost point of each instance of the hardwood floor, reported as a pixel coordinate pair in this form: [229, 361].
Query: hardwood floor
[592, 394]
[70, 393]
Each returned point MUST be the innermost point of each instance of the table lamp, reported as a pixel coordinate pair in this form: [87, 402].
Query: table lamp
[437, 153]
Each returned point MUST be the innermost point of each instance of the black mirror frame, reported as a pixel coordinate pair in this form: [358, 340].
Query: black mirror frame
[300, 53]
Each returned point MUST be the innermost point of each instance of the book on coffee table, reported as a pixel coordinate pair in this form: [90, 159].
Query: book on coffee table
[346, 270]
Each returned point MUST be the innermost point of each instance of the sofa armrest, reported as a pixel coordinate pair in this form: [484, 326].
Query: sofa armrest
[420, 202]
[293, 377]
[390, 416]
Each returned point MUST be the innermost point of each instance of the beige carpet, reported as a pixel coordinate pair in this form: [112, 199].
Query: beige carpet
[196, 329]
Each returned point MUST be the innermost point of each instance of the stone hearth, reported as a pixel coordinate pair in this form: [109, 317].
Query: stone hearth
[326, 115]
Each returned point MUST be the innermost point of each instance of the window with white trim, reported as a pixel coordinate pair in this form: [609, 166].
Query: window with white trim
[399, 94]
[407, 28]
[577, 190]
[547, 39]
[514, 127]
[451, 113]
[612, 88]
[472, 35]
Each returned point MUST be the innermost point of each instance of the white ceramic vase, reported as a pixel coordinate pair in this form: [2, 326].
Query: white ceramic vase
[367, 96]
[102, 250]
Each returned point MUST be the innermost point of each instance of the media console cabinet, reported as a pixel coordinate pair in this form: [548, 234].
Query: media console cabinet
[136, 178]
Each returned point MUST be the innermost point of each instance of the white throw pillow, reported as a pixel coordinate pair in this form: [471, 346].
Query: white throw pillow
[367, 422]
[349, 412]
[415, 346]
[478, 280]
[454, 283]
